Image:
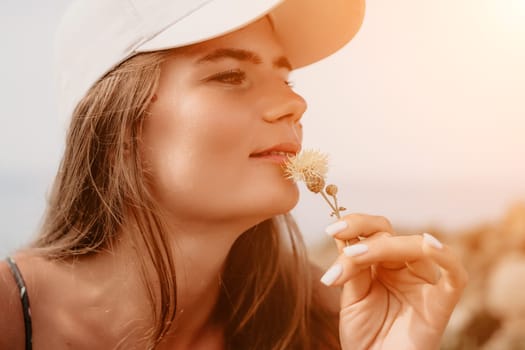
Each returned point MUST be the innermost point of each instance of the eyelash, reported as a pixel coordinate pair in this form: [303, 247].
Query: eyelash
[232, 76]
[236, 77]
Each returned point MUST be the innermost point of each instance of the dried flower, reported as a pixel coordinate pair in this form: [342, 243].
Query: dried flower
[308, 166]
[311, 167]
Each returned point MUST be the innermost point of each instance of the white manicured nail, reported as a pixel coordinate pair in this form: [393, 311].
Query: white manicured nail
[355, 249]
[335, 228]
[432, 241]
[332, 274]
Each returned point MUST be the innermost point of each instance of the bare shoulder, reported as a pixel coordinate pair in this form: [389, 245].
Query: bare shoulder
[328, 297]
[70, 299]
[38, 273]
[11, 317]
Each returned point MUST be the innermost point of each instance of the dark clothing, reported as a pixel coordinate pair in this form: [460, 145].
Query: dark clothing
[24, 298]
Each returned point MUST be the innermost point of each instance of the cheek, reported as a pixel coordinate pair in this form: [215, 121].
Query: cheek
[190, 126]
[214, 131]
[194, 148]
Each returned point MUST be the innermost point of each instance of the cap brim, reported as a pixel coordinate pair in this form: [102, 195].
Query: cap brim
[309, 30]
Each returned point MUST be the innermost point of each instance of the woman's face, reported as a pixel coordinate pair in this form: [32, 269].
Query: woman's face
[222, 117]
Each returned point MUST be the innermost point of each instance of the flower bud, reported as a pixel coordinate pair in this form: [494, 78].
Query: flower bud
[331, 190]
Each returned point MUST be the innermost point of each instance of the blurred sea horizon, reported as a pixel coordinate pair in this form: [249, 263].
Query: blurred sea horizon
[450, 207]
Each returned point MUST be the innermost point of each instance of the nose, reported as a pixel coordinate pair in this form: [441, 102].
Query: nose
[284, 104]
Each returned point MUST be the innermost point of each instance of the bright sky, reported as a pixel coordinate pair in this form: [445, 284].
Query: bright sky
[423, 114]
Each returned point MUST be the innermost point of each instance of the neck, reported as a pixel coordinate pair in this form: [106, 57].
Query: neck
[200, 250]
[200, 254]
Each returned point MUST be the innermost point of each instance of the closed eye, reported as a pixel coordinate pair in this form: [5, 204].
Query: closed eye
[231, 77]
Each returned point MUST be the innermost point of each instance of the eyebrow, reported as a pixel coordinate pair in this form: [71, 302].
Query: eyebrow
[243, 55]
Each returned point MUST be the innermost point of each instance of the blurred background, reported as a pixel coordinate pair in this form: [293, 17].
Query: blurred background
[423, 116]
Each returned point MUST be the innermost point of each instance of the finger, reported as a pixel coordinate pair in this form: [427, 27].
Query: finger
[386, 249]
[454, 276]
[425, 269]
[411, 249]
[353, 226]
[401, 253]
[395, 253]
[355, 278]
[348, 269]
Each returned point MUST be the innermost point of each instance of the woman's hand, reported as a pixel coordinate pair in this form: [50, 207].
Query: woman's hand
[398, 291]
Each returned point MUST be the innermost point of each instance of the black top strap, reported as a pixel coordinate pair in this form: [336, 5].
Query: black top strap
[24, 298]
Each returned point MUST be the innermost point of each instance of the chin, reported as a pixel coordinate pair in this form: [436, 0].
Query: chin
[259, 203]
[292, 200]
[282, 200]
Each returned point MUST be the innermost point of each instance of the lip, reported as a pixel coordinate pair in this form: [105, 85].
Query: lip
[278, 153]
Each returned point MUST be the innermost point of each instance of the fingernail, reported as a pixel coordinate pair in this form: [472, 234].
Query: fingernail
[335, 228]
[432, 241]
[332, 274]
[355, 249]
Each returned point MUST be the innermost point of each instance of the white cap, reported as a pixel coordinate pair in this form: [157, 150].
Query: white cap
[96, 35]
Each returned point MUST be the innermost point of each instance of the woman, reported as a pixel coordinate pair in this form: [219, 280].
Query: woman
[167, 226]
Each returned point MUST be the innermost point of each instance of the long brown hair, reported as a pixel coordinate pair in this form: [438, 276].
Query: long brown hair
[101, 183]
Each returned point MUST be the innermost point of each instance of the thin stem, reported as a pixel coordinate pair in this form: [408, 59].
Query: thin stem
[335, 209]
[336, 205]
